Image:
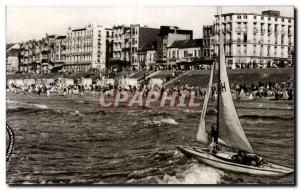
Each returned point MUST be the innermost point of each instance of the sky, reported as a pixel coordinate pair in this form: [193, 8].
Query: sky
[33, 22]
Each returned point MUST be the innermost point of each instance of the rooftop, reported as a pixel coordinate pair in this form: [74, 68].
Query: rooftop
[187, 43]
[273, 13]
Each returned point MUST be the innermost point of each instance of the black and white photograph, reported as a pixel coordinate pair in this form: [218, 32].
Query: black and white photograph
[150, 95]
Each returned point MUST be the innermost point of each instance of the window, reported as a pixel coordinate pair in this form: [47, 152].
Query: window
[244, 16]
[282, 19]
[289, 20]
[269, 18]
[239, 17]
[185, 53]
[245, 37]
[254, 16]
[238, 49]
[262, 18]
[276, 19]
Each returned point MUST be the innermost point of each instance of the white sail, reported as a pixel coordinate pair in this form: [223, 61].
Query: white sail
[201, 133]
[230, 129]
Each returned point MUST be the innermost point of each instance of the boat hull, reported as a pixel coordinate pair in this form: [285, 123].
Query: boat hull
[222, 161]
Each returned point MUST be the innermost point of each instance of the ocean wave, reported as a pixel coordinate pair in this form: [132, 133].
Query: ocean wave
[195, 174]
[265, 117]
[41, 106]
[160, 121]
[169, 120]
[77, 113]
[15, 104]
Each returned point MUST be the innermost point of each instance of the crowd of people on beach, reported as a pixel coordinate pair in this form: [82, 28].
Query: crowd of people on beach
[269, 90]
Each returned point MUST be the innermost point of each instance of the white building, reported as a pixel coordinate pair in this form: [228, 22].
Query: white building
[86, 48]
[185, 51]
[256, 40]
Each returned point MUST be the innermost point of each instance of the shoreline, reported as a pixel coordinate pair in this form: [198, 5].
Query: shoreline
[259, 103]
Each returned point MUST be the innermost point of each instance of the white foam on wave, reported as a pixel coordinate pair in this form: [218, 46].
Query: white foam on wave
[12, 104]
[169, 121]
[77, 113]
[41, 106]
[159, 121]
[196, 174]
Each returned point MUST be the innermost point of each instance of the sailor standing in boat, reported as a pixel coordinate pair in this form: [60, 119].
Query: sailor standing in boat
[213, 139]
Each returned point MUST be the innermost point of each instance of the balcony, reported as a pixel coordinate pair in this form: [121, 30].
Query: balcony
[228, 41]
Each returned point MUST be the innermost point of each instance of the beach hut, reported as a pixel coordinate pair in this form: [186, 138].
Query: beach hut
[85, 81]
[109, 81]
[19, 82]
[125, 82]
[29, 82]
[155, 81]
[65, 82]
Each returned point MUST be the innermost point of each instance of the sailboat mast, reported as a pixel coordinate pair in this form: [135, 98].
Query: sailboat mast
[219, 73]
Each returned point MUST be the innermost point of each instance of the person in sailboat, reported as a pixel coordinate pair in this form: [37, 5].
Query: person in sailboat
[243, 157]
[213, 139]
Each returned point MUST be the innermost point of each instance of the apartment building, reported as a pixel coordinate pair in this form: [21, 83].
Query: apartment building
[140, 37]
[121, 43]
[208, 40]
[86, 48]
[185, 51]
[147, 56]
[256, 40]
[109, 46]
[167, 35]
[41, 56]
[12, 57]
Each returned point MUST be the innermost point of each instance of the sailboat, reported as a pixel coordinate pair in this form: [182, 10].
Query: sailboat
[229, 130]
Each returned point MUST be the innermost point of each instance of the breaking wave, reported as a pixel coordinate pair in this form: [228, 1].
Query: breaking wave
[41, 106]
[196, 174]
[170, 121]
[15, 104]
[158, 121]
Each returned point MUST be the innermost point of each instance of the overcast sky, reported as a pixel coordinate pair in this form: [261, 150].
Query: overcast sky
[25, 23]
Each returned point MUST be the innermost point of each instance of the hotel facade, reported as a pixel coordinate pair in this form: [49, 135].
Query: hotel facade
[86, 48]
[255, 40]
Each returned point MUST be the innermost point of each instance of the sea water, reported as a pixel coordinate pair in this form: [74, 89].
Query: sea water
[71, 140]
